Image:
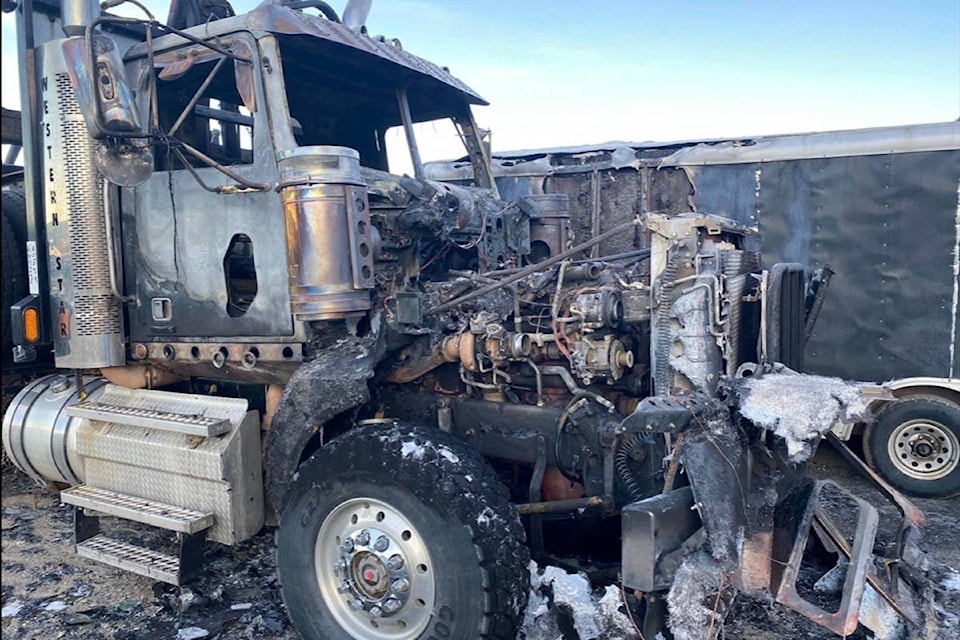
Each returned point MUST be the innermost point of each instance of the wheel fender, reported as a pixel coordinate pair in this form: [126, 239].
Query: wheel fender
[336, 381]
[944, 388]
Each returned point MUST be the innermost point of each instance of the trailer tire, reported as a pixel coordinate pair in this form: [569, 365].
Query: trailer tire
[453, 559]
[915, 445]
[14, 274]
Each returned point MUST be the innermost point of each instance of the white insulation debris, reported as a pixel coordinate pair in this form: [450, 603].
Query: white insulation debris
[594, 614]
[695, 599]
[800, 408]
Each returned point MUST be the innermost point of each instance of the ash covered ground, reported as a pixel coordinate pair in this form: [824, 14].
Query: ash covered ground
[49, 593]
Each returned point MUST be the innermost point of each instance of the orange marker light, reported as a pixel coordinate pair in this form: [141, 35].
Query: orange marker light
[31, 325]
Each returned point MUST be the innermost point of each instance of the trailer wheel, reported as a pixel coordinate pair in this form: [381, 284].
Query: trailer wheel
[14, 267]
[915, 445]
[395, 533]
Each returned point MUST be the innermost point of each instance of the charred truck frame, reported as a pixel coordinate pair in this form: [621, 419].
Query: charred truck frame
[252, 316]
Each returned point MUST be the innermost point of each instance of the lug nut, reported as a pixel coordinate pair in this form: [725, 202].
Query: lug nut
[356, 604]
[363, 538]
[344, 587]
[395, 562]
[400, 585]
[391, 605]
[375, 611]
[347, 546]
[340, 565]
[382, 543]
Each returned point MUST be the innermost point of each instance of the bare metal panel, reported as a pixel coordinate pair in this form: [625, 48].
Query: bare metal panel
[176, 235]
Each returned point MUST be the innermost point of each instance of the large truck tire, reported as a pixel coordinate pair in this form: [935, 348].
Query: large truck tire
[915, 445]
[397, 532]
[15, 206]
[12, 236]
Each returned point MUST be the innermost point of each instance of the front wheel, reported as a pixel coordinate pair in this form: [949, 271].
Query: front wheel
[915, 445]
[399, 533]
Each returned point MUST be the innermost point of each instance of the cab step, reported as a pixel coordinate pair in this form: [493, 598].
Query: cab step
[92, 544]
[139, 560]
[188, 424]
[155, 514]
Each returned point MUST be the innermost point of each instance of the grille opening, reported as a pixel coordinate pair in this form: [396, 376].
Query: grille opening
[240, 275]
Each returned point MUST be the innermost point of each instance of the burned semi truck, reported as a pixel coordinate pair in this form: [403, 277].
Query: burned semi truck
[419, 383]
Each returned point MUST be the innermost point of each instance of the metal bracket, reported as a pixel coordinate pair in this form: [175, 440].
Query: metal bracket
[84, 526]
[793, 522]
[191, 554]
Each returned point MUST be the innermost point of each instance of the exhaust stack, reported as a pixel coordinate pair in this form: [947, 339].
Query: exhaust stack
[87, 321]
[77, 14]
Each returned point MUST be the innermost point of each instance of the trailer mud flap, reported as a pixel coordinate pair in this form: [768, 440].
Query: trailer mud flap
[796, 516]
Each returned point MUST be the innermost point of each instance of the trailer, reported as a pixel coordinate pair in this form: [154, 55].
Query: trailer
[873, 213]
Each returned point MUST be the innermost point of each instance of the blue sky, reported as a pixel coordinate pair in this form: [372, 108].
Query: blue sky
[562, 72]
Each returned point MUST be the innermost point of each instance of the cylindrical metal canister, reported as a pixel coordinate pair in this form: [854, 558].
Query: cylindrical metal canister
[330, 243]
[550, 230]
[39, 436]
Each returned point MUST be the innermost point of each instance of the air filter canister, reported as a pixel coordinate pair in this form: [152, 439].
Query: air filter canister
[330, 243]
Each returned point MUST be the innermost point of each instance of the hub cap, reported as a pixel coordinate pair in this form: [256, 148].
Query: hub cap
[924, 449]
[374, 571]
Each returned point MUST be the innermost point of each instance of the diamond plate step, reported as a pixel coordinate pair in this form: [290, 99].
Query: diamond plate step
[191, 425]
[159, 566]
[156, 514]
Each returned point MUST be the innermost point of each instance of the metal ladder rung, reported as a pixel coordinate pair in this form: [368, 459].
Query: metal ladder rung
[145, 562]
[149, 512]
[193, 425]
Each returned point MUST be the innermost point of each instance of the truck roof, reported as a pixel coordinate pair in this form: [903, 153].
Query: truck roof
[380, 59]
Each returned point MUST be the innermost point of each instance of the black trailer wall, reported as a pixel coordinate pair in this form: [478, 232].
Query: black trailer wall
[886, 224]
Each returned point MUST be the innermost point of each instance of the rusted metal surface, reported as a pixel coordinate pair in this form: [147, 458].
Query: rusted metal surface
[273, 363]
[559, 506]
[903, 609]
[797, 515]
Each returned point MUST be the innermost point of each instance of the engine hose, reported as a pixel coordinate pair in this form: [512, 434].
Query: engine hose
[661, 375]
[621, 462]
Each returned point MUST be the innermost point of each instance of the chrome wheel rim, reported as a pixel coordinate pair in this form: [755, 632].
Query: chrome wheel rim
[374, 571]
[924, 449]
